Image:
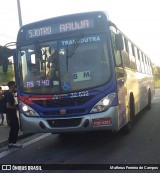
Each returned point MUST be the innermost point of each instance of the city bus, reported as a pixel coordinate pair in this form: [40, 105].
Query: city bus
[80, 73]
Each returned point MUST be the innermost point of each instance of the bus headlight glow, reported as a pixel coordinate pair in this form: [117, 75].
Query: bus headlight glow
[28, 110]
[106, 102]
[25, 108]
[103, 104]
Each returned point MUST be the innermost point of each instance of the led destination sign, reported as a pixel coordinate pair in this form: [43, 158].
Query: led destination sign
[83, 24]
[60, 28]
[39, 32]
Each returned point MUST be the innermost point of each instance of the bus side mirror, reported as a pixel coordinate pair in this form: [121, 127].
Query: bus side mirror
[119, 42]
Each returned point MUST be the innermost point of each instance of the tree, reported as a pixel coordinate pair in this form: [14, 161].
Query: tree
[156, 72]
[5, 77]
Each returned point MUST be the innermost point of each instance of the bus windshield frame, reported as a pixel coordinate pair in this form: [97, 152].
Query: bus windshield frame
[64, 65]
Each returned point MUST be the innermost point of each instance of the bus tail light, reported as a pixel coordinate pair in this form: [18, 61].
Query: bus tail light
[104, 103]
[28, 110]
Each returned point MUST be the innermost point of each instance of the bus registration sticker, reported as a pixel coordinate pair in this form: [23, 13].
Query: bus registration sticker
[101, 121]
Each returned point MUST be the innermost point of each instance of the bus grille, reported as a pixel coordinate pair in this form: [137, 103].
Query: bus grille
[65, 122]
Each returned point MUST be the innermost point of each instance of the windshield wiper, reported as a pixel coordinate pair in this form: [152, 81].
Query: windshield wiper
[71, 51]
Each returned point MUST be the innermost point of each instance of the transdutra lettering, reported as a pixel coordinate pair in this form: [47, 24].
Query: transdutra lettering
[83, 40]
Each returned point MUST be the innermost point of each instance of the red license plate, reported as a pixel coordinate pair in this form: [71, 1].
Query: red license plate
[101, 122]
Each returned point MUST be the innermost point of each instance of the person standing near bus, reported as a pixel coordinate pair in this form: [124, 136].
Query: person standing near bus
[11, 108]
[1, 104]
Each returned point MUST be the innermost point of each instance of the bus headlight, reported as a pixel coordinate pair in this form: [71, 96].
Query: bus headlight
[28, 110]
[103, 104]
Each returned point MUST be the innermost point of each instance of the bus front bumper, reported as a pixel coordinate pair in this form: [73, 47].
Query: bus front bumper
[107, 120]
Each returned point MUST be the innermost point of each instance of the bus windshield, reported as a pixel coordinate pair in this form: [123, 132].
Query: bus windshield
[63, 66]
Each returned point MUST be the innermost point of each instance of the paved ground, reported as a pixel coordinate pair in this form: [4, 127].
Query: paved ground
[4, 133]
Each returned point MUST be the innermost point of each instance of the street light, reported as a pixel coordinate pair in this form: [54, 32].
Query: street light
[19, 13]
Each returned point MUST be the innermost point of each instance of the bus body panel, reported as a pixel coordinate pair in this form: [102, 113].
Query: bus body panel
[62, 26]
[139, 85]
[107, 120]
[136, 84]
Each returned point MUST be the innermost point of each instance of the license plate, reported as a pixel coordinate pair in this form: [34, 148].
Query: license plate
[101, 122]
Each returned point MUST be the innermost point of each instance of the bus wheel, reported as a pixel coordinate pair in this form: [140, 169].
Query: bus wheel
[129, 125]
[149, 100]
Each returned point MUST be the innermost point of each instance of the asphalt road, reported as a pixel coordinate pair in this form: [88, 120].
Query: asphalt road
[140, 146]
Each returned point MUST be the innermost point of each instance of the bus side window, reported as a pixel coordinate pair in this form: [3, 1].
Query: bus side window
[132, 56]
[137, 59]
[142, 62]
[150, 68]
[125, 54]
[147, 64]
